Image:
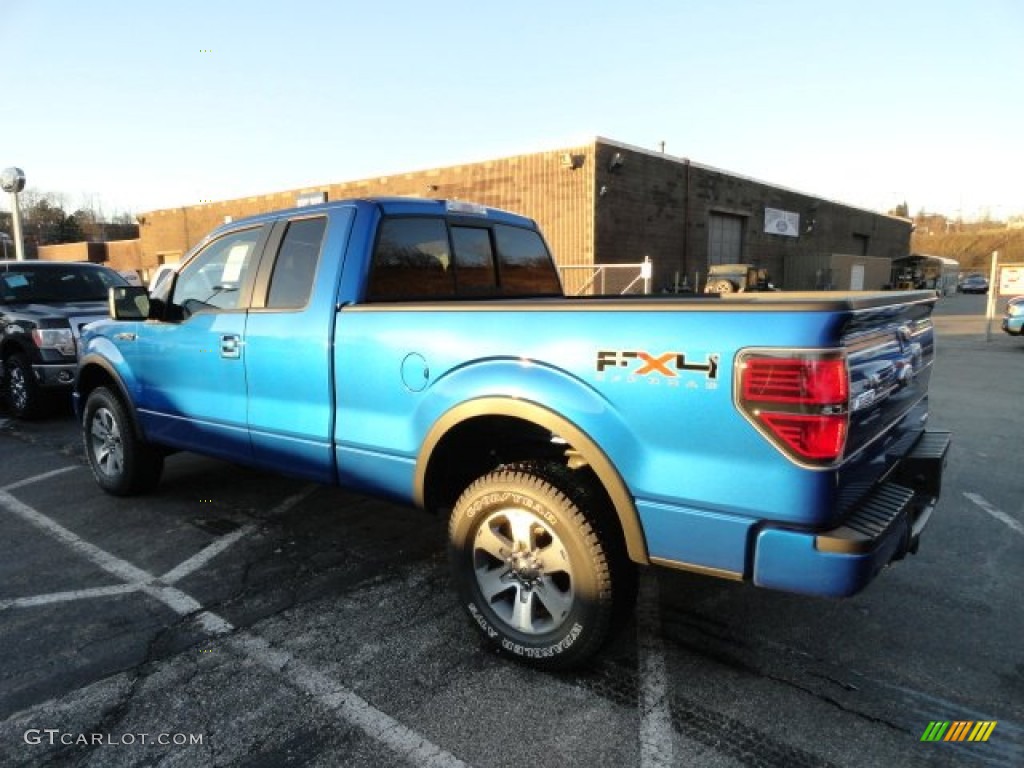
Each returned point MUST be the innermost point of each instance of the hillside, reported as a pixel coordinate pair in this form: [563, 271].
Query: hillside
[972, 249]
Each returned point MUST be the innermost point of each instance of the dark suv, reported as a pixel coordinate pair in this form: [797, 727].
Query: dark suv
[43, 306]
[974, 284]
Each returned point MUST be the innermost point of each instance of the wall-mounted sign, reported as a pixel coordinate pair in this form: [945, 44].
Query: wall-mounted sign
[778, 222]
[1011, 280]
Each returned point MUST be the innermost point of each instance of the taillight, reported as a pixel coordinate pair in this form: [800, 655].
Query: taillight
[799, 401]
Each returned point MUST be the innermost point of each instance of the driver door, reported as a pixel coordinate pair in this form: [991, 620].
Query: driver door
[192, 384]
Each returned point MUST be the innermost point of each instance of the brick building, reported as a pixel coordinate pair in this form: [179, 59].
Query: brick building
[121, 254]
[604, 202]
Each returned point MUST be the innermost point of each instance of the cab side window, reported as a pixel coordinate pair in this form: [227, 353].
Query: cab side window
[295, 268]
[213, 280]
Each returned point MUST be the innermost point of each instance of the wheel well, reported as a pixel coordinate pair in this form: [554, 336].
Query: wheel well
[475, 447]
[13, 348]
[480, 444]
[91, 377]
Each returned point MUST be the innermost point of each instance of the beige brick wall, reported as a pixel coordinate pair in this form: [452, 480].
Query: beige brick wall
[126, 254]
[592, 209]
[554, 188]
[84, 251]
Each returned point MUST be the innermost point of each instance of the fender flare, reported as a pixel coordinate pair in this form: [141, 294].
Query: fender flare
[616, 488]
[111, 373]
[16, 344]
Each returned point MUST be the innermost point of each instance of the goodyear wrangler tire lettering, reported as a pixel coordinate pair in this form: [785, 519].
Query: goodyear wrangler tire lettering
[539, 565]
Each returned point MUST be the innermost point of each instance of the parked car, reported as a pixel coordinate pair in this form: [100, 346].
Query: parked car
[1013, 320]
[43, 307]
[974, 284]
[131, 276]
[162, 273]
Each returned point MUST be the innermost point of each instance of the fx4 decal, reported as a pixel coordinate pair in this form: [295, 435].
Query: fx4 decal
[667, 365]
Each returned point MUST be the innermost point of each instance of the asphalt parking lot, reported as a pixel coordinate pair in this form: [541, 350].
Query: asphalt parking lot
[236, 618]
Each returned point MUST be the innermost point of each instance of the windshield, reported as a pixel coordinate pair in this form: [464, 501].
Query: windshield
[29, 283]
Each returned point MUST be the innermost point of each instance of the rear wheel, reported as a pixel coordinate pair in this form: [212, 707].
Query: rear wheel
[538, 565]
[122, 464]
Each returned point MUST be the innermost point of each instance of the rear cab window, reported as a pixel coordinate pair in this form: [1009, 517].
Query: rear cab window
[526, 264]
[431, 258]
[411, 260]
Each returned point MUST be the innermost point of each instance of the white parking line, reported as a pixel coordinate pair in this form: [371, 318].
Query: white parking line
[998, 514]
[205, 555]
[346, 704]
[108, 562]
[67, 597]
[294, 500]
[38, 478]
[656, 740]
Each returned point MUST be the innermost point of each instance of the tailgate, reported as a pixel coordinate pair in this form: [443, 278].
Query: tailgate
[890, 351]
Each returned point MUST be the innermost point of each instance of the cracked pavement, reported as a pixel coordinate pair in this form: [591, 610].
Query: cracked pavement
[289, 624]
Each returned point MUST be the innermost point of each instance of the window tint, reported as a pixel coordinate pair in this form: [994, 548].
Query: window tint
[474, 260]
[295, 268]
[213, 280]
[526, 266]
[411, 261]
[25, 283]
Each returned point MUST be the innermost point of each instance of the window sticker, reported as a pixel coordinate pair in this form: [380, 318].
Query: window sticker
[16, 280]
[236, 260]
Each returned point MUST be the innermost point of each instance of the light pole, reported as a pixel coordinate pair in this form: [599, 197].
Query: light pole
[13, 180]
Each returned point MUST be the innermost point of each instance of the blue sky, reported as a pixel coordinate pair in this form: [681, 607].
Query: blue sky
[142, 105]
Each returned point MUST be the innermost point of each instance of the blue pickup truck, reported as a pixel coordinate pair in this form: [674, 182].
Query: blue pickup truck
[423, 350]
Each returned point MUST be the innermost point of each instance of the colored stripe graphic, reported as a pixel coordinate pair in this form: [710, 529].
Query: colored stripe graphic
[982, 731]
[959, 730]
[935, 731]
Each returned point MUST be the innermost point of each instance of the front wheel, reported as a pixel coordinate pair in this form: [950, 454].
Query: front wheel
[122, 463]
[538, 566]
[24, 395]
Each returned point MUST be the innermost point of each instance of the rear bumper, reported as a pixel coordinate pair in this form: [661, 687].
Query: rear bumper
[883, 528]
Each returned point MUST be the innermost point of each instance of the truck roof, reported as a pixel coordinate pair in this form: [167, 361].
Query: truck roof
[394, 206]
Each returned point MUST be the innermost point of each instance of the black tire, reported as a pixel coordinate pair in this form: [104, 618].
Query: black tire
[122, 464]
[538, 563]
[24, 395]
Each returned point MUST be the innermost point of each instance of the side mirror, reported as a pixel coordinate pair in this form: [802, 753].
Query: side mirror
[128, 302]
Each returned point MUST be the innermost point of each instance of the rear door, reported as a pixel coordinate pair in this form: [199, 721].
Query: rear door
[289, 338]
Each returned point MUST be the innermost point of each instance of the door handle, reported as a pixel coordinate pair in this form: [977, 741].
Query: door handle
[231, 346]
